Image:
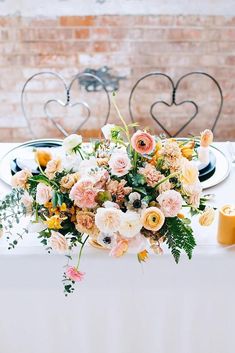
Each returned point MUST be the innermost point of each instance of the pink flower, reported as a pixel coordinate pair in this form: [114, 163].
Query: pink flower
[73, 274]
[119, 163]
[120, 248]
[43, 194]
[143, 142]
[170, 202]
[83, 194]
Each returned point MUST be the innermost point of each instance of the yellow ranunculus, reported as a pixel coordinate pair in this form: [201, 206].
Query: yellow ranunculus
[207, 217]
[152, 218]
[187, 149]
[54, 222]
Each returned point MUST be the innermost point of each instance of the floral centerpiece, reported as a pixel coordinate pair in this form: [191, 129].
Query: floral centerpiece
[126, 192]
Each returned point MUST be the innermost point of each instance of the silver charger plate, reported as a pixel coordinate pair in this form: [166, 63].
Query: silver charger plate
[18, 151]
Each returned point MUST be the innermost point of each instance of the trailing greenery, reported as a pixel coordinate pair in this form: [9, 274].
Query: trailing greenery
[11, 211]
[179, 236]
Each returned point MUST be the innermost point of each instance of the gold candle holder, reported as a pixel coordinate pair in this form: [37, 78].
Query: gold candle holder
[226, 225]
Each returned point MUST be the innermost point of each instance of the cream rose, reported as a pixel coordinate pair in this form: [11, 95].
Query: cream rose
[152, 218]
[71, 142]
[108, 220]
[119, 163]
[43, 194]
[189, 172]
[20, 179]
[58, 242]
[130, 224]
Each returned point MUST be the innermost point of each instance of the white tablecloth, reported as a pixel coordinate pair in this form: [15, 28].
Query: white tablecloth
[121, 306]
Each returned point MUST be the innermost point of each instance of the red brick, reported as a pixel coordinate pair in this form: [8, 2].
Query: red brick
[184, 34]
[74, 21]
[101, 33]
[83, 33]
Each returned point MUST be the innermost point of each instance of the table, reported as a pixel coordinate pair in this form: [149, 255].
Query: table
[121, 306]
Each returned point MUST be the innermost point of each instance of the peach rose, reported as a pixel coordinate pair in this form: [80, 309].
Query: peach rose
[120, 248]
[119, 163]
[206, 138]
[83, 194]
[58, 242]
[54, 166]
[67, 182]
[86, 223]
[143, 142]
[20, 179]
[170, 202]
[152, 218]
[43, 194]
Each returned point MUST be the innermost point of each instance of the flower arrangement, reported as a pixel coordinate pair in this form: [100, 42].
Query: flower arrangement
[126, 192]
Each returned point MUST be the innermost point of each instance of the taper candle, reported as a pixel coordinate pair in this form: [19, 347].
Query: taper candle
[226, 225]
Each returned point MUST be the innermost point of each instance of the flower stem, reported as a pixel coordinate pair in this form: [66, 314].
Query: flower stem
[121, 118]
[80, 252]
[166, 178]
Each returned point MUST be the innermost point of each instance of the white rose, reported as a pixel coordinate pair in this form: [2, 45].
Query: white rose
[43, 194]
[107, 130]
[71, 162]
[71, 142]
[130, 224]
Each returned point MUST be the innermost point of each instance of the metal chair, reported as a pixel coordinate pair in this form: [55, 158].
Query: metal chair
[67, 102]
[173, 101]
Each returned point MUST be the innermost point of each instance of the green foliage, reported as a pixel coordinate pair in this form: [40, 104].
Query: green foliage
[179, 236]
[11, 211]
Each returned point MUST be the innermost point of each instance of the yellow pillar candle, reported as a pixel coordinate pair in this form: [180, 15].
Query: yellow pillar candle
[226, 226]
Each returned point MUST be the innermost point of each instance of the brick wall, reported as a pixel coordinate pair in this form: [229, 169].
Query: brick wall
[131, 46]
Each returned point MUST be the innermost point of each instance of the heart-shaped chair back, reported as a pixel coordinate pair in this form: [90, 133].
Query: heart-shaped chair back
[191, 107]
[78, 105]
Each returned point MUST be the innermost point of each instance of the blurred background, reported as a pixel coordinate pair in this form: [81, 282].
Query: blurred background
[127, 39]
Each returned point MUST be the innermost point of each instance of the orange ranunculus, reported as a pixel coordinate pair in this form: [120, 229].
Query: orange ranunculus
[42, 157]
